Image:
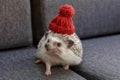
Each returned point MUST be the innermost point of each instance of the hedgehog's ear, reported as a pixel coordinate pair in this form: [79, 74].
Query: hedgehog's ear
[70, 43]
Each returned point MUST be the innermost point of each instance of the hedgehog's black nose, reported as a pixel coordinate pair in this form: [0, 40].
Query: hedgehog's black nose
[46, 46]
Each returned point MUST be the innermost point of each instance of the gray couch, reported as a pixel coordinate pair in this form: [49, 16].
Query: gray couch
[23, 23]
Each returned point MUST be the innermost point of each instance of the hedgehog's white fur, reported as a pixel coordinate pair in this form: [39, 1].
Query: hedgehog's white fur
[69, 53]
[65, 55]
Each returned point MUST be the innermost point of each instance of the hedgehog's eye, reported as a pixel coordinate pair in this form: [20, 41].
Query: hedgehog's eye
[59, 44]
[48, 40]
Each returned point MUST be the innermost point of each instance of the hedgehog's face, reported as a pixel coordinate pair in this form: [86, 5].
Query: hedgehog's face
[56, 43]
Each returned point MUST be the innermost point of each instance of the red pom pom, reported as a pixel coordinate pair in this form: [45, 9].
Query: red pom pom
[66, 11]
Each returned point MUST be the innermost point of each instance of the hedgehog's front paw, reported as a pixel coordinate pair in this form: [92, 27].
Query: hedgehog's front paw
[48, 73]
[66, 67]
[38, 61]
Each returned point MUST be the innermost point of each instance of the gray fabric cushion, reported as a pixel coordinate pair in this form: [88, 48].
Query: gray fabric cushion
[19, 65]
[92, 18]
[101, 60]
[15, 23]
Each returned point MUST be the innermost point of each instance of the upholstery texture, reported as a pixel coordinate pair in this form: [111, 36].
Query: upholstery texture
[19, 64]
[92, 18]
[15, 23]
[101, 60]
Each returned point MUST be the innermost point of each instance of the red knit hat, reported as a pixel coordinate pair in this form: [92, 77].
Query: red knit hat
[63, 23]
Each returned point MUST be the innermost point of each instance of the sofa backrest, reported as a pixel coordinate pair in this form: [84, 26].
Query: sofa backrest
[92, 17]
[15, 24]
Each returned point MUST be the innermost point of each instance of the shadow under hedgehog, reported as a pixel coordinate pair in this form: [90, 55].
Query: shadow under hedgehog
[60, 45]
